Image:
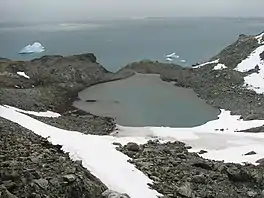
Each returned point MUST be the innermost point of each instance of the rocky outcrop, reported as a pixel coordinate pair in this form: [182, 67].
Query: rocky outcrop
[178, 173]
[77, 120]
[233, 54]
[53, 83]
[32, 167]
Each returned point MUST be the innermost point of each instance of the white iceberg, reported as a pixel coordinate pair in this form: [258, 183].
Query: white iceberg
[34, 48]
[172, 55]
[169, 59]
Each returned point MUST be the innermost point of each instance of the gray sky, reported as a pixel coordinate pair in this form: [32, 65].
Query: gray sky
[64, 10]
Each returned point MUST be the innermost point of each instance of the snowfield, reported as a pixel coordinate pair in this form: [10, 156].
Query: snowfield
[206, 63]
[98, 154]
[254, 81]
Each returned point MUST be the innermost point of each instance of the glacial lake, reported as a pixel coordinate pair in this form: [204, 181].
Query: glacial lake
[146, 100]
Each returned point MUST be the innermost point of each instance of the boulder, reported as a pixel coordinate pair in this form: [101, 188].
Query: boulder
[185, 190]
[114, 194]
[131, 146]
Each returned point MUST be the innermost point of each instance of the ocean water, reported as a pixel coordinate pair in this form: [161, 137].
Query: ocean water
[146, 100]
[119, 42]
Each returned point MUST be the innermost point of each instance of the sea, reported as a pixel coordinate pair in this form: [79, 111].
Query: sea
[117, 42]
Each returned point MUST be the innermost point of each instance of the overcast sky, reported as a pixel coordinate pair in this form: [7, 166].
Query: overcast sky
[64, 10]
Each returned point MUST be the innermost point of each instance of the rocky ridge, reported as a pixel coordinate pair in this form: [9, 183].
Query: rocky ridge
[31, 167]
[178, 173]
[53, 83]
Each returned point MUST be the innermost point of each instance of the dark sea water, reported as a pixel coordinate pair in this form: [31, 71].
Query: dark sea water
[119, 42]
[141, 101]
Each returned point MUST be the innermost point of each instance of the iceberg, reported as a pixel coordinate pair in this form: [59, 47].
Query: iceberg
[34, 48]
[169, 59]
[172, 55]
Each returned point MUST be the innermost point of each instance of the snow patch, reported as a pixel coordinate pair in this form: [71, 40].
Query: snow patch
[260, 38]
[209, 137]
[34, 48]
[254, 81]
[183, 61]
[49, 114]
[121, 176]
[97, 153]
[23, 74]
[251, 61]
[219, 66]
[206, 63]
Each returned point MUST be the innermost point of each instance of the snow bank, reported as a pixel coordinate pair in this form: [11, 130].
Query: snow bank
[39, 114]
[210, 137]
[207, 63]
[251, 61]
[260, 38]
[253, 81]
[23, 74]
[219, 66]
[97, 153]
[34, 48]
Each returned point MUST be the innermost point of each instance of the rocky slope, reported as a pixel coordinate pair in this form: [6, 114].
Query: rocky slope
[178, 173]
[53, 81]
[30, 167]
[221, 88]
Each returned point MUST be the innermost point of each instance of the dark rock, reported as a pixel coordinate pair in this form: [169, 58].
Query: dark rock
[237, 175]
[131, 146]
[9, 185]
[117, 144]
[69, 178]
[202, 152]
[6, 194]
[202, 165]
[199, 179]
[42, 183]
[260, 161]
[251, 153]
[90, 100]
[262, 56]
[185, 190]
[110, 193]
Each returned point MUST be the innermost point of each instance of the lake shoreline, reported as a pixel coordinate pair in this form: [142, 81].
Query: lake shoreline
[157, 98]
